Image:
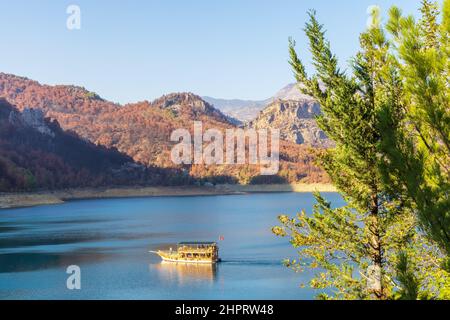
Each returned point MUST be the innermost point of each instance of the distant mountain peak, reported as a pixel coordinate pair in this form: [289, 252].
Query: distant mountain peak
[181, 98]
[291, 92]
[248, 110]
[188, 102]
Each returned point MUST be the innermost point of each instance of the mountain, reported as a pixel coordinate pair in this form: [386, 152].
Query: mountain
[247, 110]
[294, 114]
[142, 130]
[36, 153]
[242, 110]
[288, 110]
[296, 121]
[290, 92]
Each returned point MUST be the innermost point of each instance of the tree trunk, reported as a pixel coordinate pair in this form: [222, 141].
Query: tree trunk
[376, 270]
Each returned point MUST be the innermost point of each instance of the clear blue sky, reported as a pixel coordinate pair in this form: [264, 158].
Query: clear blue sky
[134, 50]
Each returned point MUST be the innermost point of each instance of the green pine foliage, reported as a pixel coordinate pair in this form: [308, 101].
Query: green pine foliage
[418, 143]
[417, 140]
[373, 247]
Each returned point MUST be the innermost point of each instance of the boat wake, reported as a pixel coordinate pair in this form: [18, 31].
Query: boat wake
[251, 262]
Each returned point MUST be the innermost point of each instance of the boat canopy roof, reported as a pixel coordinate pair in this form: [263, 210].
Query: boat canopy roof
[197, 243]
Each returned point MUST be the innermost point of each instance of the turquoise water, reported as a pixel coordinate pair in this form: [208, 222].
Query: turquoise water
[110, 239]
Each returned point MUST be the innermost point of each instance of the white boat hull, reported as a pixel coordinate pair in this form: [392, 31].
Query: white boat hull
[189, 261]
[167, 259]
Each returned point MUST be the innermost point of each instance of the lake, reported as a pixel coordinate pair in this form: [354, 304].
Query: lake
[110, 241]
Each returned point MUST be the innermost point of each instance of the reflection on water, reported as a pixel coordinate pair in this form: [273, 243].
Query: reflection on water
[183, 273]
[33, 261]
[110, 240]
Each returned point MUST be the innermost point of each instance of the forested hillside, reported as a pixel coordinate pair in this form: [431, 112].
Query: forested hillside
[36, 153]
[142, 130]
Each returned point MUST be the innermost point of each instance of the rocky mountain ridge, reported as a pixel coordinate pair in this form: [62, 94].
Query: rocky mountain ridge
[296, 121]
[289, 110]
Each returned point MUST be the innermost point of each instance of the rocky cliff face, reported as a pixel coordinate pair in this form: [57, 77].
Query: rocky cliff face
[35, 119]
[289, 110]
[247, 110]
[296, 121]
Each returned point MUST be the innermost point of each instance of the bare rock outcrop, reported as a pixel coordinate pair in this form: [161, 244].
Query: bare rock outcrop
[296, 121]
[33, 118]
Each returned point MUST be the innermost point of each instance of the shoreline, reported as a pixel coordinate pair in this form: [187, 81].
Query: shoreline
[31, 199]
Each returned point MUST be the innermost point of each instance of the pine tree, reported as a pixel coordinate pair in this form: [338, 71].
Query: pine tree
[337, 240]
[418, 146]
[358, 246]
[417, 140]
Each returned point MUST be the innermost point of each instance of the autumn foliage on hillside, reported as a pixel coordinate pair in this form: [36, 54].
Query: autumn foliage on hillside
[142, 130]
[35, 153]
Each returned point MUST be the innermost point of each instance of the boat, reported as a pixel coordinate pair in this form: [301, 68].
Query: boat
[191, 252]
